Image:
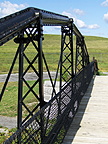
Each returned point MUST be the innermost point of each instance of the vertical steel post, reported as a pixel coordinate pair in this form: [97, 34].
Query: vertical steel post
[61, 59]
[72, 63]
[40, 63]
[77, 54]
[71, 46]
[61, 56]
[82, 47]
[20, 83]
[40, 35]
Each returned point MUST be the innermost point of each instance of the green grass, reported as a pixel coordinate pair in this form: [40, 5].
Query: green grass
[98, 47]
[52, 48]
[8, 105]
[4, 137]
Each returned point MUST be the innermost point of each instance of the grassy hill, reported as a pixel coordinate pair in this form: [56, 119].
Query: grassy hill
[97, 46]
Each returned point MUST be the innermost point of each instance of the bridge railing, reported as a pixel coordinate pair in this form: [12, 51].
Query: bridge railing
[51, 123]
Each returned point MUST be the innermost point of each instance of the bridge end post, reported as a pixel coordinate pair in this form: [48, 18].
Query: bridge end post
[71, 45]
[20, 84]
[40, 64]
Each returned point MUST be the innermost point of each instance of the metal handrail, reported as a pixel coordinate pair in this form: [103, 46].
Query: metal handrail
[58, 113]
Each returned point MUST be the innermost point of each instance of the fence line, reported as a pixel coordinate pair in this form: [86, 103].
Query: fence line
[99, 56]
[51, 58]
[9, 56]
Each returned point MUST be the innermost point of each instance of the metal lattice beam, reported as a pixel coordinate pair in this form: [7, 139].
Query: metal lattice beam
[12, 24]
[34, 35]
[66, 68]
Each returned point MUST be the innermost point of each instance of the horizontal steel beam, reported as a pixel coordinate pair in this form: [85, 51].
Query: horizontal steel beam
[12, 24]
[50, 18]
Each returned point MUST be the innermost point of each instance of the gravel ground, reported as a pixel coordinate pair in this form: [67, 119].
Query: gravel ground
[8, 122]
[28, 76]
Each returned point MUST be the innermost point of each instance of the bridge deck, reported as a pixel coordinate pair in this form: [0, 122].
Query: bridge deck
[90, 125]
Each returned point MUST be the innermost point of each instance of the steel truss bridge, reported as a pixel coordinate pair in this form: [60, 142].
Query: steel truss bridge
[51, 122]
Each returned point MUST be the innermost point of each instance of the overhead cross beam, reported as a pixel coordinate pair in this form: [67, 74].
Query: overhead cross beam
[12, 24]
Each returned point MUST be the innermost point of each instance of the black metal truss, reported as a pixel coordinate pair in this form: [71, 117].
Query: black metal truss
[66, 67]
[82, 57]
[33, 33]
[29, 30]
[12, 24]
[55, 126]
[79, 64]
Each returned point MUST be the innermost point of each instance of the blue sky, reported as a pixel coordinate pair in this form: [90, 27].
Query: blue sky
[90, 16]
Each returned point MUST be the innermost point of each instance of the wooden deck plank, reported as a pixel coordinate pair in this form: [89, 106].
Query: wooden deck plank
[90, 125]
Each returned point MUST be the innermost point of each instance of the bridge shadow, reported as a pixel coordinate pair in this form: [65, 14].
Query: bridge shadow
[76, 123]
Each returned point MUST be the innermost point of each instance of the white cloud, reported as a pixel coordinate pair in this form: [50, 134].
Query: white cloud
[78, 12]
[81, 24]
[7, 8]
[69, 15]
[94, 26]
[105, 3]
[106, 17]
